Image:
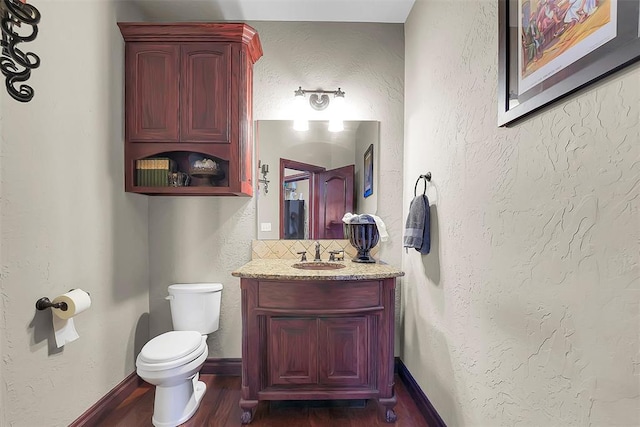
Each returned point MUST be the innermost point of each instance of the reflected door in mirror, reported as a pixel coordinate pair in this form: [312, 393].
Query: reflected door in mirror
[334, 198]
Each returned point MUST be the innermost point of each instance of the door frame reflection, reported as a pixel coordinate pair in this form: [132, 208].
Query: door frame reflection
[307, 171]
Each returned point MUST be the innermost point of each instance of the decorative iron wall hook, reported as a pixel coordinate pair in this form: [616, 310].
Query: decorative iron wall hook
[15, 64]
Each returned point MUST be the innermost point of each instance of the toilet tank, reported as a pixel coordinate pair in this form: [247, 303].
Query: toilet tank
[195, 306]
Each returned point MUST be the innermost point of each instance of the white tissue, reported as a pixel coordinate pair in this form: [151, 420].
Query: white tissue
[65, 331]
[77, 301]
[350, 218]
[382, 229]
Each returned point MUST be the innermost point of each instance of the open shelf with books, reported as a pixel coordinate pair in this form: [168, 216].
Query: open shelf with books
[181, 172]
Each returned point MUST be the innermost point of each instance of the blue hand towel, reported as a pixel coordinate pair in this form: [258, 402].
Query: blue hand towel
[417, 228]
[426, 236]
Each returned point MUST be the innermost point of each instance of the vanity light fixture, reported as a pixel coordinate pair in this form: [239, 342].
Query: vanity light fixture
[264, 170]
[319, 101]
[16, 64]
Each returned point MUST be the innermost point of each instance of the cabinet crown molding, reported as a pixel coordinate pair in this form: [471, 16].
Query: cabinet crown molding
[224, 32]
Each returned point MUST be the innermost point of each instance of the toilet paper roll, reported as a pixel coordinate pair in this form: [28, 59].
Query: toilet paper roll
[77, 301]
[64, 328]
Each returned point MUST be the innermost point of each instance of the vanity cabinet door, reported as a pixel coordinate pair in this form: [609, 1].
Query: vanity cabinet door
[152, 92]
[292, 350]
[344, 348]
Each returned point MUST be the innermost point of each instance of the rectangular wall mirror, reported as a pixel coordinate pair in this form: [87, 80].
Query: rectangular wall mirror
[315, 177]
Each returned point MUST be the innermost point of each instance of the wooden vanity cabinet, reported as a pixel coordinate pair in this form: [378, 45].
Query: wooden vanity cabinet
[309, 340]
[188, 90]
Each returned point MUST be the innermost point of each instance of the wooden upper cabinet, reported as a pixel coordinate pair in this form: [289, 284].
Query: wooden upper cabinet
[152, 93]
[188, 91]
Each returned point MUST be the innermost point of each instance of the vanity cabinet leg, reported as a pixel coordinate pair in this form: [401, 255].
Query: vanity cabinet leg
[247, 407]
[387, 404]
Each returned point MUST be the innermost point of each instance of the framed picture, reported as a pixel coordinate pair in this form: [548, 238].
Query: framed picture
[368, 171]
[549, 49]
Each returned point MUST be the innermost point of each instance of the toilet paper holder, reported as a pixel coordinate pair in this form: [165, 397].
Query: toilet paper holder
[44, 303]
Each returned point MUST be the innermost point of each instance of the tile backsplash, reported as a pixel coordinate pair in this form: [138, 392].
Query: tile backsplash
[288, 249]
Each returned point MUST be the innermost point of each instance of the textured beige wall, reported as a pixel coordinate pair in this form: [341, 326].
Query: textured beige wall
[205, 239]
[526, 311]
[67, 223]
[367, 62]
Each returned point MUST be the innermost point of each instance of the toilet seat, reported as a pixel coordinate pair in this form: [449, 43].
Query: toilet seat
[170, 350]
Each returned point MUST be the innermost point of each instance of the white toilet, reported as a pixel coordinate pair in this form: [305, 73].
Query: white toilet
[171, 361]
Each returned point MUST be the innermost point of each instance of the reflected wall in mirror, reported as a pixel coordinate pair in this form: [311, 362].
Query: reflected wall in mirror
[314, 186]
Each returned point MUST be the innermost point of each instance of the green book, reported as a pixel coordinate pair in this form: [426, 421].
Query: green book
[154, 172]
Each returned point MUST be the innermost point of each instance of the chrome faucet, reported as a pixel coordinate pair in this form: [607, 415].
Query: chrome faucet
[317, 257]
[333, 255]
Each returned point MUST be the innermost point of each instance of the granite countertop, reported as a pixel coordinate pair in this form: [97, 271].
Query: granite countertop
[283, 269]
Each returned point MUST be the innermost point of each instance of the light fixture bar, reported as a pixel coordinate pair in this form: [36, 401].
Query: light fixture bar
[305, 91]
[319, 99]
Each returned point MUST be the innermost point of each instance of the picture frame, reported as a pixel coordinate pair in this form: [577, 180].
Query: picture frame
[368, 171]
[593, 44]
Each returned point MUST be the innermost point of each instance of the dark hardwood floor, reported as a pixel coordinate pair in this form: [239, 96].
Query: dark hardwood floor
[220, 408]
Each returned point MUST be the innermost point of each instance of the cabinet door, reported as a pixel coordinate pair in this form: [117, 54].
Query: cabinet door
[152, 78]
[205, 92]
[292, 350]
[343, 347]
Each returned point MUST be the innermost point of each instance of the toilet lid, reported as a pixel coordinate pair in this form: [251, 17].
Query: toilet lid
[194, 288]
[170, 346]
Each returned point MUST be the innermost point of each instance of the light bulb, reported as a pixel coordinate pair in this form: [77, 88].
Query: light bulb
[336, 125]
[337, 108]
[338, 103]
[301, 124]
[300, 121]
